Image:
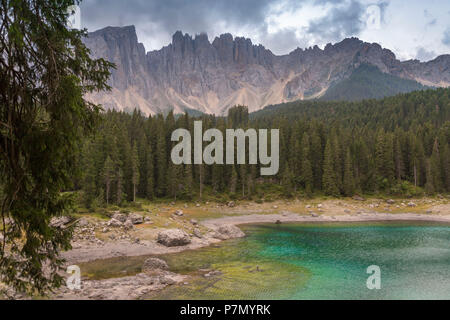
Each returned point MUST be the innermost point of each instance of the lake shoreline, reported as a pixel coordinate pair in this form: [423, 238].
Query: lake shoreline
[125, 249]
[142, 284]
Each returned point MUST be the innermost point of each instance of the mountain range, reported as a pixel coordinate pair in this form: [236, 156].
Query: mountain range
[193, 73]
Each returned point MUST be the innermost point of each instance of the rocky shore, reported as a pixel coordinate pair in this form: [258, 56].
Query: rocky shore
[134, 234]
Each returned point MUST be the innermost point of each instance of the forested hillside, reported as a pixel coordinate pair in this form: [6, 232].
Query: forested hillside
[398, 145]
[368, 82]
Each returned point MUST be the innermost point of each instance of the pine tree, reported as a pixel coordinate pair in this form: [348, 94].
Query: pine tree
[134, 170]
[446, 165]
[188, 181]
[337, 161]
[316, 156]
[306, 168]
[329, 178]
[119, 187]
[108, 175]
[349, 183]
[429, 185]
[380, 147]
[243, 177]
[201, 174]
[233, 180]
[89, 176]
[149, 192]
[161, 178]
[399, 165]
[287, 180]
[435, 167]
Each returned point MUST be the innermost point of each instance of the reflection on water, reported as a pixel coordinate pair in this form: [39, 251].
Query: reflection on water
[309, 261]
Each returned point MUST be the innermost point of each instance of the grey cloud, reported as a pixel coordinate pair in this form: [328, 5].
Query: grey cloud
[432, 22]
[174, 15]
[282, 42]
[425, 55]
[342, 21]
[157, 20]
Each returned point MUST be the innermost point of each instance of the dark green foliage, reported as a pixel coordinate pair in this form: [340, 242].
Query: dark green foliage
[368, 82]
[329, 178]
[330, 148]
[45, 71]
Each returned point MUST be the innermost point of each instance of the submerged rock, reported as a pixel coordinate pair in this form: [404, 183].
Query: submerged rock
[228, 232]
[152, 264]
[214, 273]
[173, 238]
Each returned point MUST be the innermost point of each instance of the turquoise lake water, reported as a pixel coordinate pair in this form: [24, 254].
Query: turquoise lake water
[309, 261]
[322, 261]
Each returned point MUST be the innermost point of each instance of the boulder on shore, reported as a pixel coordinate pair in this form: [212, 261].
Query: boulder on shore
[60, 222]
[179, 213]
[231, 204]
[358, 198]
[152, 264]
[136, 218]
[128, 225]
[120, 216]
[114, 223]
[82, 223]
[197, 233]
[173, 238]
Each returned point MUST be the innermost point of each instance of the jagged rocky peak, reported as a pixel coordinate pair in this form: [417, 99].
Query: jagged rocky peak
[117, 32]
[192, 72]
[120, 45]
[201, 38]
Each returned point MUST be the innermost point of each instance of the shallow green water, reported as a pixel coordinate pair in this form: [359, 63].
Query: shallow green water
[318, 261]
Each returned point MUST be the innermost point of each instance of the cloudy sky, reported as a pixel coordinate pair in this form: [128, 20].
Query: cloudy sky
[411, 28]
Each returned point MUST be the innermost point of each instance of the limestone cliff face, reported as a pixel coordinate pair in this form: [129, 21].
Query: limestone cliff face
[192, 72]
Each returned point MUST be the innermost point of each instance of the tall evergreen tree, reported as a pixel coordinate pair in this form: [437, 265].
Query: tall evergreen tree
[134, 170]
[108, 175]
[45, 74]
[349, 182]
[329, 178]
